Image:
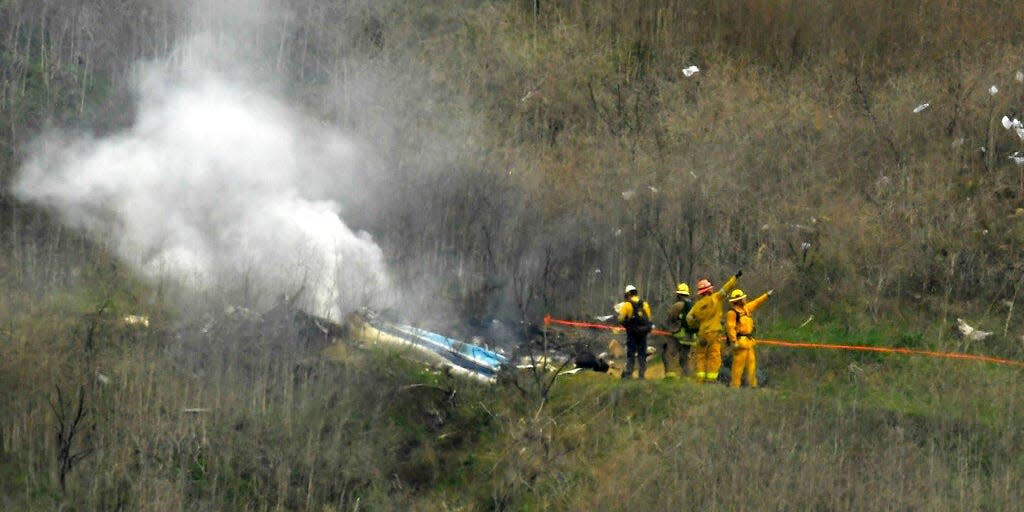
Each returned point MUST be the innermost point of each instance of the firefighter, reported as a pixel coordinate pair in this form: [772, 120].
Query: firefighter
[676, 351]
[706, 317]
[635, 316]
[739, 328]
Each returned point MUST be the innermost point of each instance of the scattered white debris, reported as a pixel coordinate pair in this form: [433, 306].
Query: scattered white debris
[529, 94]
[139, 320]
[574, 371]
[654, 190]
[855, 370]
[629, 194]
[597, 271]
[970, 333]
[1015, 124]
[195, 410]
[693, 174]
[540, 362]
[618, 232]
[1017, 157]
[1019, 76]
[690, 71]
[604, 318]
[809, 320]
[992, 91]
[103, 379]
[957, 142]
[804, 246]
[918, 109]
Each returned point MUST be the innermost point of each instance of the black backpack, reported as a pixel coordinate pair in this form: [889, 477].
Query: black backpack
[639, 322]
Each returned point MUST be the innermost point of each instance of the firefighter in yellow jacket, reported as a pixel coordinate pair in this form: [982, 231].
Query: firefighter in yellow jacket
[706, 317]
[739, 327]
[635, 316]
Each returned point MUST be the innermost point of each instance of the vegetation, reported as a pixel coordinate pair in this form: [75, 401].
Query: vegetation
[533, 157]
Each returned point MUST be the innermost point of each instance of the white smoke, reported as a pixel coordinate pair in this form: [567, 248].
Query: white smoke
[217, 185]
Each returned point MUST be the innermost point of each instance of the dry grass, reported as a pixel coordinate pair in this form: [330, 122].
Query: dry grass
[280, 427]
[893, 443]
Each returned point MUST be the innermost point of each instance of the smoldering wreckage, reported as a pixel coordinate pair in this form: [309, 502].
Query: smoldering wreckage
[494, 353]
[499, 351]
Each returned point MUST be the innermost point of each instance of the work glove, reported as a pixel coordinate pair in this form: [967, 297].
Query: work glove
[739, 272]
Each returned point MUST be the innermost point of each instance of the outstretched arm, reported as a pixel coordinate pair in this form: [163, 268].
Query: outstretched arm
[730, 284]
[754, 304]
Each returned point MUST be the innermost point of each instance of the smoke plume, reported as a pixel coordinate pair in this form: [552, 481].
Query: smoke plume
[218, 186]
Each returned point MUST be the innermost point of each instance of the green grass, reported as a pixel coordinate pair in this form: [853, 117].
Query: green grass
[383, 431]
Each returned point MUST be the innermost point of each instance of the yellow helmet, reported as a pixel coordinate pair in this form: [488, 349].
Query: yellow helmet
[683, 289]
[736, 295]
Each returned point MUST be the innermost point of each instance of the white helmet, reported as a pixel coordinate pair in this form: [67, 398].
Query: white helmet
[630, 289]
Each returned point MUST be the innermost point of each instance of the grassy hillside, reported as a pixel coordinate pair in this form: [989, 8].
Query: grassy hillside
[281, 427]
[215, 415]
[518, 147]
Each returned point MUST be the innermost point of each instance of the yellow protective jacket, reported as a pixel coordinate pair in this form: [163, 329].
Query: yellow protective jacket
[626, 311]
[738, 320]
[706, 314]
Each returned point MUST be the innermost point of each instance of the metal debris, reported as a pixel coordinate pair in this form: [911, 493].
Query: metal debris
[970, 333]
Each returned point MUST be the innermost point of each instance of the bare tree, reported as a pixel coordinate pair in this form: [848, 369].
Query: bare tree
[70, 420]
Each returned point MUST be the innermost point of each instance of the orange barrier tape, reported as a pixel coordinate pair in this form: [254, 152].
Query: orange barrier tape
[548, 320]
[896, 350]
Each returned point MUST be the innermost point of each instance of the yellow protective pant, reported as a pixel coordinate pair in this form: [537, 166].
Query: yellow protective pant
[707, 356]
[744, 360]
